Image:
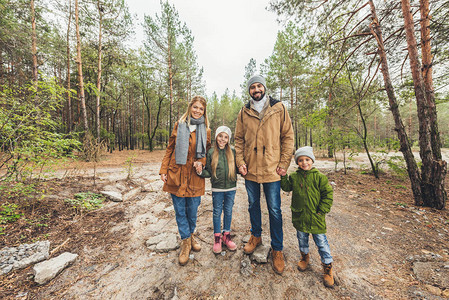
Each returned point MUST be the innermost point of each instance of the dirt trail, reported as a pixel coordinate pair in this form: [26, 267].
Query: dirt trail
[372, 238]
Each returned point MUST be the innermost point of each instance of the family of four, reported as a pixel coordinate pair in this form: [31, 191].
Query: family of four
[263, 150]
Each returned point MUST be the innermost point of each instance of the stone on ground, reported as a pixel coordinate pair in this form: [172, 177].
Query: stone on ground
[47, 270]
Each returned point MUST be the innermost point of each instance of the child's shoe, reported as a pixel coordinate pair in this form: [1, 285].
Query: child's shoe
[228, 242]
[217, 243]
[304, 262]
[328, 277]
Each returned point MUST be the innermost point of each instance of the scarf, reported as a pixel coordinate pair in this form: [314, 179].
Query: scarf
[182, 140]
[258, 105]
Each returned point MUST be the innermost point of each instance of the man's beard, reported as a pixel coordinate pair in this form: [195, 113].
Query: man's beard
[255, 94]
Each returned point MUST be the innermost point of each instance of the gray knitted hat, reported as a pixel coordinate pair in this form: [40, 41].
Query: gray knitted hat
[257, 78]
[304, 151]
[224, 129]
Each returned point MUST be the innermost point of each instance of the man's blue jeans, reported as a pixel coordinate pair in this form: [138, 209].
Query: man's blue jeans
[186, 209]
[272, 192]
[320, 241]
[222, 201]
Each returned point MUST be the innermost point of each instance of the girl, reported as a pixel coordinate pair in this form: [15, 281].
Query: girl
[186, 150]
[220, 167]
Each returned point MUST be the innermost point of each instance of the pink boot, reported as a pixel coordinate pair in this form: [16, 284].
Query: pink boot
[228, 242]
[217, 243]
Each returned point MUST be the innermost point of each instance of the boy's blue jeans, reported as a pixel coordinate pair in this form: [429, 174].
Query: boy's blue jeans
[186, 209]
[320, 241]
[223, 202]
[272, 192]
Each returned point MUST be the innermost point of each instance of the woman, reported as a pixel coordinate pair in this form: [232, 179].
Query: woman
[187, 148]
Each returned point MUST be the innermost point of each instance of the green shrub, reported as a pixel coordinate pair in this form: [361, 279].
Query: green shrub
[8, 213]
[86, 201]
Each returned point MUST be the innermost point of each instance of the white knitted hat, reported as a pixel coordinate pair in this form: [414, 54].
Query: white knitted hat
[304, 151]
[224, 129]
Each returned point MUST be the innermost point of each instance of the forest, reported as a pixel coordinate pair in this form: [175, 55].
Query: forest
[366, 77]
[355, 76]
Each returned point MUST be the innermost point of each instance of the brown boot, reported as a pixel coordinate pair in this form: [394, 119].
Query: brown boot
[328, 277]
[195, 245]
[304, 262]
[252, 244]
[278, 261]
[186, 245]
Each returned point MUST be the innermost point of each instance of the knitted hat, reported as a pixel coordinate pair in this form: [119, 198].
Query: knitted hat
[257, 78]
[224, 129]
[304, 151]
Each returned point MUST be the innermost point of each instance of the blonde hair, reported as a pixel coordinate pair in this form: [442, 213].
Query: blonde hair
[186, 116]
[229, 158]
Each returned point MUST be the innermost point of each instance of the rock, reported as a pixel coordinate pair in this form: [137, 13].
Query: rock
[427, 273]
[38, 252]
[113, 196]
[131, 194]
[261, 254]
[433, 289]
[47, 270]
[164, 242]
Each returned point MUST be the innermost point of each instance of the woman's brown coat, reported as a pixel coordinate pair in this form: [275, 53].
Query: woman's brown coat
[182, 180]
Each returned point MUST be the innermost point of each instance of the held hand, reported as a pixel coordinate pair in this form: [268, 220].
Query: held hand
[243, 170]
[198, 166]
[281, 171]
[164, 177]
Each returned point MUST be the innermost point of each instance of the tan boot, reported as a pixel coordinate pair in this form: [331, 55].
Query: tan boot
[328, 277]
[252, 244]
[304, 262]
[278, 261]
[186, 245]
[195, 245]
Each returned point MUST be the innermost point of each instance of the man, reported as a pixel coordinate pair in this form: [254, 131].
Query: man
[264, 148]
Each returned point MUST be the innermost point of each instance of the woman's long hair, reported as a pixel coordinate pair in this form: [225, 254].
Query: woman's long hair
[229, 158]
[186, 116]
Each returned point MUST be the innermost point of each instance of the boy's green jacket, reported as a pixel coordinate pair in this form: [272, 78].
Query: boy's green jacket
[311, 199]
[221, 181]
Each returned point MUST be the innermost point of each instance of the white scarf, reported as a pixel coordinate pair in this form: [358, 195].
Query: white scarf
[258, 105]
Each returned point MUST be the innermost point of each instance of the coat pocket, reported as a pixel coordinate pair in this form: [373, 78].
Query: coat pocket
[174, 175]
[297, 218]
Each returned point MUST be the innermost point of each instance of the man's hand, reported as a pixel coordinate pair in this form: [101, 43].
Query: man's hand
[281, 171]
[164, 177]
[243, 170]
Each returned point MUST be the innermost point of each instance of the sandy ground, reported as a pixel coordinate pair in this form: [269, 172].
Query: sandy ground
[373, 230]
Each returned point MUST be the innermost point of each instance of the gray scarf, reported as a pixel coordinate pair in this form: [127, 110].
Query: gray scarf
[182, 140]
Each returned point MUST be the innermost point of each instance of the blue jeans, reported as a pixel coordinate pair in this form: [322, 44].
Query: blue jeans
[272, 192]
[186, 209]
[222, 201]
[320, 241]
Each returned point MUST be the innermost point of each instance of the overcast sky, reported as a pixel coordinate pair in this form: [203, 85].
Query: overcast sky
[227, 35]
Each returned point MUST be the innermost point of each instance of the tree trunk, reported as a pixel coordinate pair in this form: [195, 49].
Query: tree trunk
[170, 78]
[427, 77]
[69, 95]
[33, 41]
[433, 170]
[100, 28]
[82, 98]
[405, 148]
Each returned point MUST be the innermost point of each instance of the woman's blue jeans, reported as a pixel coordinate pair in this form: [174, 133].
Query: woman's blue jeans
[320, 241]
[272, 192]
[223, 202]
[186, 209]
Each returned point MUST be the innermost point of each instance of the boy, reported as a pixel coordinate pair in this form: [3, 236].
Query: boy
[311, 201]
